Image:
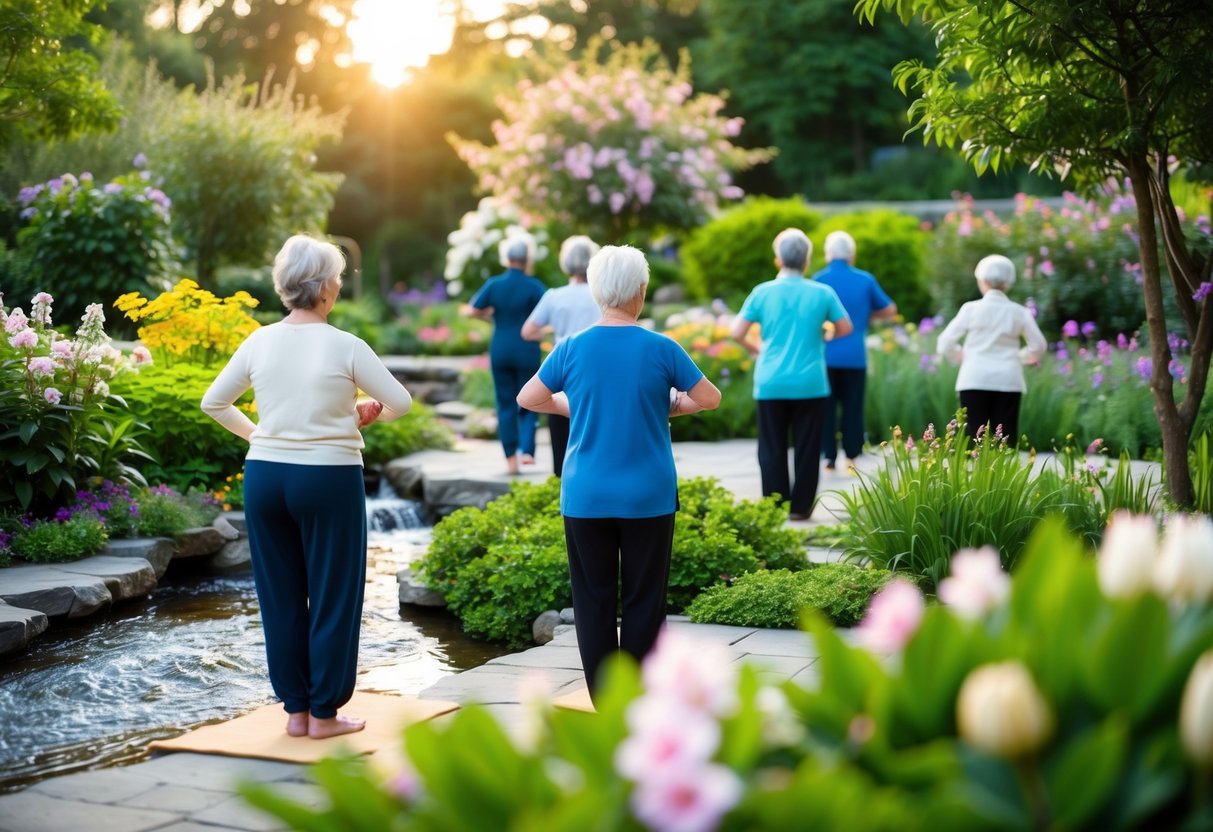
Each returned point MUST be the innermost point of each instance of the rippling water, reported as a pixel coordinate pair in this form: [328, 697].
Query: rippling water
[95, 693]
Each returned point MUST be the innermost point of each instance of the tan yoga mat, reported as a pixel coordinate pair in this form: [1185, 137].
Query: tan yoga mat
[262, 733]
[578, 700]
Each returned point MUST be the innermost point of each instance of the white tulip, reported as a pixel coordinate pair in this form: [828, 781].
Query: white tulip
[1196, 711]
[1183, 571]
[1126, 558]
[1001, 711]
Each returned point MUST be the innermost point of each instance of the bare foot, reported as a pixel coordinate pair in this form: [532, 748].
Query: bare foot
[527, 459]
[511, 465]
[319, 729]
[296, 724]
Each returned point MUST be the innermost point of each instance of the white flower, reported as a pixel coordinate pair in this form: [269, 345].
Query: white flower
[1196, 711]
[700, 674]
[780, 725]
[1126, 557]
[1000, 710]
[1183, 571]
[977, 583]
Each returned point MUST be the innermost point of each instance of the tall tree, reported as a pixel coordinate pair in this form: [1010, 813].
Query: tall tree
[47, 83]
[1091, 89]
[810, 79]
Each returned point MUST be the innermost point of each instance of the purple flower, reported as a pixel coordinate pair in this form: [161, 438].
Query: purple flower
[1094, 447]
[1096, 380]
[112, 188]
[29, 213]
[1203, 292]
[1070, 329]
[27, 195]
[1030, 304]
[1176, 368]
[139, 161]
[1121, 341]
[63, 515]
[1088, 329]
[1144, 367]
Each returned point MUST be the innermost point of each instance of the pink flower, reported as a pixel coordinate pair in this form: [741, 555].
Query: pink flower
[892, 618]
[42, 366]
[16, 321]
[52, 395]
[616, 201]
[687, 799]
[141, 355]
[698, 674]
[1070, 329]
[977, 583]
[663, 735]
[23, 339]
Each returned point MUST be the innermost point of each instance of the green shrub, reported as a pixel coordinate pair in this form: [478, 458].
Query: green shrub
[51, 541]
[777, 598]
[441, 329]
[163, 512]
[890, 245]
[730, 255]
[478, 387]
[417, 430]
[706, 551]
[364, 318]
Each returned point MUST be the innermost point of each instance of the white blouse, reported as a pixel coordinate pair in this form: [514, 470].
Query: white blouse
[992, 329]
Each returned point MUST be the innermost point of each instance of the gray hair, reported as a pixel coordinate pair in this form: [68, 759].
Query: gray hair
[996, 271]
[793, 249]
[303, 267]
[575, 254]
[616, 275]
[517, 248]
[839, 245]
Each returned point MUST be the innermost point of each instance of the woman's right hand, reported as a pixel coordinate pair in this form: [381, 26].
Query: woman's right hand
[368, 412]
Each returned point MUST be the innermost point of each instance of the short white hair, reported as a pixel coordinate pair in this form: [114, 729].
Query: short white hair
[996, 271]
[839, 245]
[575, 254]
[302, 268]
[617, 274]
[793, 248]
[517, 248]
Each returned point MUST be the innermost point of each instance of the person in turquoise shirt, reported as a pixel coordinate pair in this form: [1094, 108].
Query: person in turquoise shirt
[619, 384]
[847, 357]
[790, 382]
[507, 300]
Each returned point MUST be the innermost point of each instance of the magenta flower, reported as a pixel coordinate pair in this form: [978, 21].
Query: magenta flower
[977, 583]
[1094, 447]
[1088, 329]
[1070, 329]
[687, 799]
[1144, 367]
[893, 617]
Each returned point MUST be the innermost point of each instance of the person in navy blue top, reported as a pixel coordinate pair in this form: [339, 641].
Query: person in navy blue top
[619, 384]
[507, 300]
[847, 355]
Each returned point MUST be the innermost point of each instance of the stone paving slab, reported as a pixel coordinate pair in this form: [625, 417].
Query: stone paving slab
[778, 643]
[158, 551]
[568, 658]
[110, 785]
[124, 577]
[19, 626]
[51, 590]
[30, 811]
[493, 684]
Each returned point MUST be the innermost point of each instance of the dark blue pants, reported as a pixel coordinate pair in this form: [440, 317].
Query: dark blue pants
[558, 427]
[307, 533]
[994, 408]
[609, 556]
[846, 392]
[515, 425]
[803, 418]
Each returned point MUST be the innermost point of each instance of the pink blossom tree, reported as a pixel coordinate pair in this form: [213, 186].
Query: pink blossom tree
[612, 147]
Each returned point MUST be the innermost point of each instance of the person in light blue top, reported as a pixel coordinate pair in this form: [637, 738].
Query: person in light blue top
[565, 311]
[619, 384]
[507, 300]
[790, 381]
[847, 357]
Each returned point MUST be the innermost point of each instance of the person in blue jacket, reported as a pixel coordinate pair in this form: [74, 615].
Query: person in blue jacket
[619, 384]
[507, 300]
[847, 356]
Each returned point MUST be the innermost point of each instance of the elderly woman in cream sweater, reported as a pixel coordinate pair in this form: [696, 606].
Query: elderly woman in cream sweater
[304, 498]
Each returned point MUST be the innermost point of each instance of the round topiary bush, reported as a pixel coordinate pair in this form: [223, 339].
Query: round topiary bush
[730, 255]
[890, 245]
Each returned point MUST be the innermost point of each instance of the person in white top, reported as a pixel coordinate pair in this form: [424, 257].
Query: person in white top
[565, 311]
[991, 380]
[304, 498]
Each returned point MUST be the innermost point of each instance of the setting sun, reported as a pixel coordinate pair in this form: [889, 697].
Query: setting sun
[395, 37]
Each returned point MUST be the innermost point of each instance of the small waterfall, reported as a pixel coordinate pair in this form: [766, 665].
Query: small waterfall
[387, 511]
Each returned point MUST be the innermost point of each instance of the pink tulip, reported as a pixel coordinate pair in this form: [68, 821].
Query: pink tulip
[687, 799]
[977, 583]
[892, 618]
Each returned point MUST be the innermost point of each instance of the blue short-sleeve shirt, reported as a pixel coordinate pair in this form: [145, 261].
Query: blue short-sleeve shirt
[512, 296]
[791, 310]
[861, 295]
[619, 461]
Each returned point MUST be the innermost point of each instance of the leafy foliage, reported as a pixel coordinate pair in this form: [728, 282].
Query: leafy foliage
[417, 430]
[51, 541]
[726, 257]
[165, 512]
[777, 598]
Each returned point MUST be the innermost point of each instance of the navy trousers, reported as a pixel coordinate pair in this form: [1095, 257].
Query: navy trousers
[558, 427]
[617, 563]
[515, 425]
[995, 408]
[846, 393]
[307, 534]
[803, 418]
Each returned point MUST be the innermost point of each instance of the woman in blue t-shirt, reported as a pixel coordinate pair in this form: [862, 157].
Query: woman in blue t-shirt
[619, 384]
[507, 300]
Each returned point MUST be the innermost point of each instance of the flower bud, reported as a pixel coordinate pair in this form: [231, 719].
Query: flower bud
[1126, 558]
[1183, 571]
[1001, 711]
[1196, 711]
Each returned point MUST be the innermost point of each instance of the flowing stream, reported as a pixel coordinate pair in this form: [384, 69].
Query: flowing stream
[94, 693]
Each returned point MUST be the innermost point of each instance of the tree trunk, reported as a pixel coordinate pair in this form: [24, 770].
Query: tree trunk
[1175, 433]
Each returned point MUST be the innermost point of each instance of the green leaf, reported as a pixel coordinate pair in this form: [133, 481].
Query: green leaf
[1083, 775]
[27, 431]
[25, 492]
[1125, 666]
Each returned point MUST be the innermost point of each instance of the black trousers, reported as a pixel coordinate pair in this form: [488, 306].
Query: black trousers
[614, 560]
[558, 427]
[803, 418]
[846, 393]
[992, 407]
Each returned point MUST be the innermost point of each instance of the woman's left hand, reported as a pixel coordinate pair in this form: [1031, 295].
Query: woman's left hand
[368, 412]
